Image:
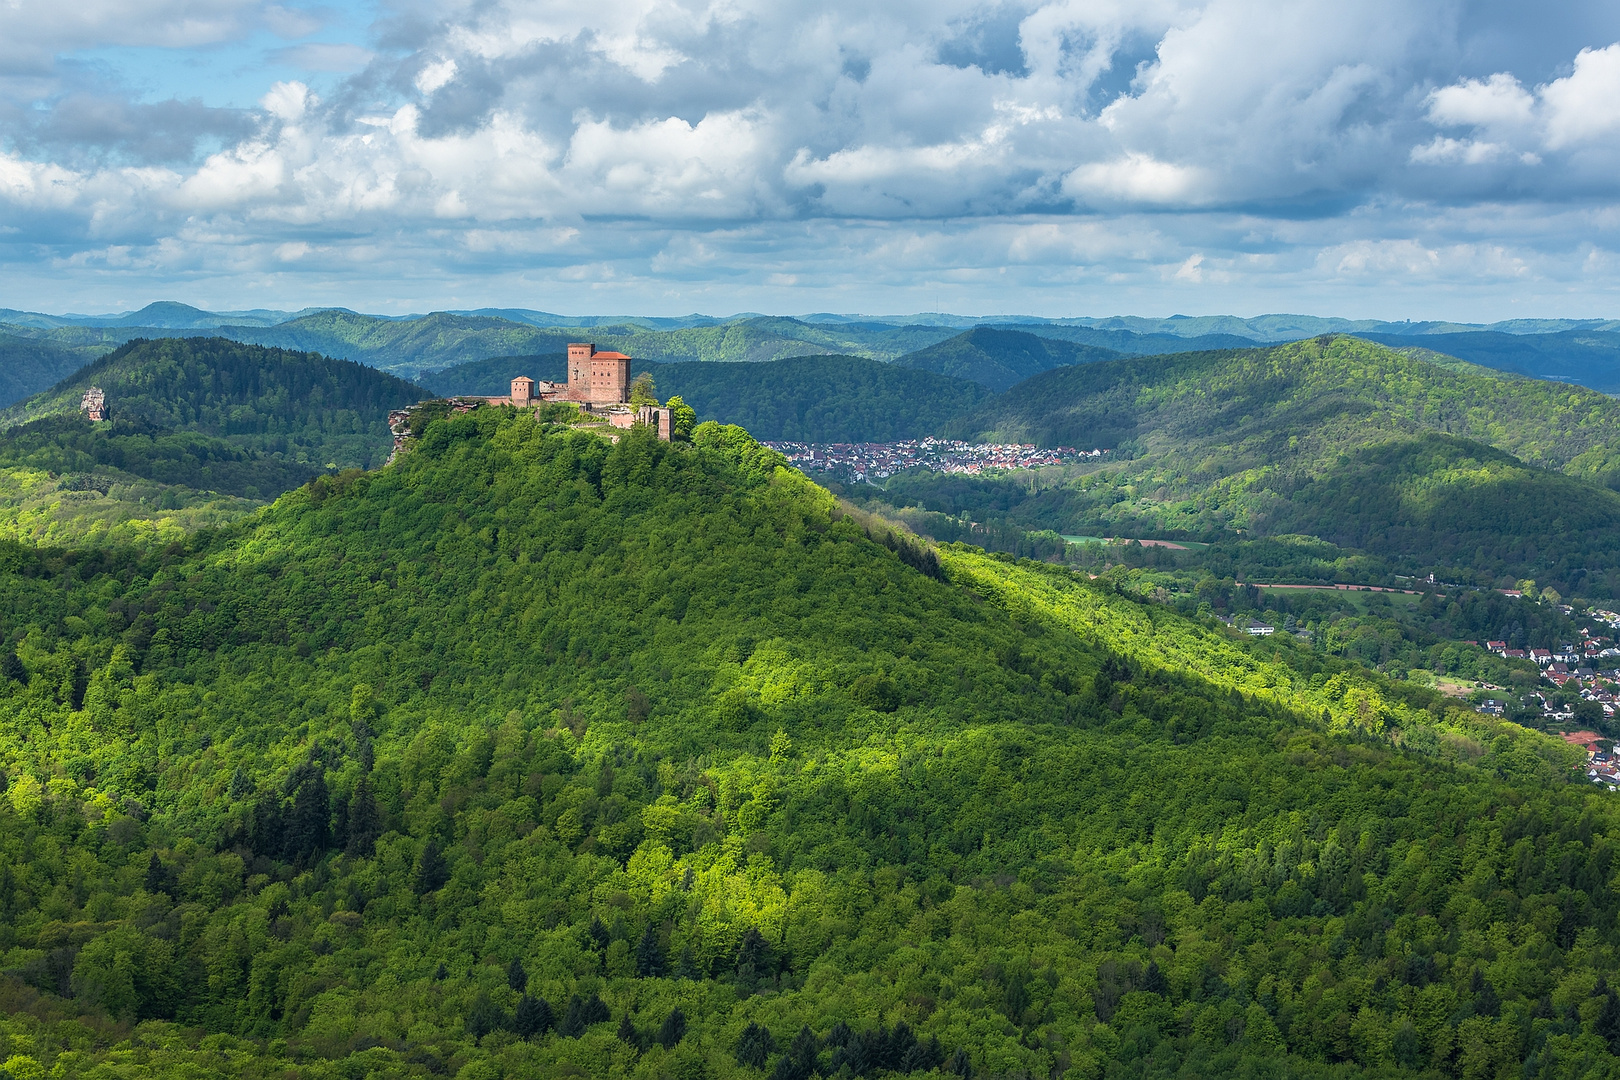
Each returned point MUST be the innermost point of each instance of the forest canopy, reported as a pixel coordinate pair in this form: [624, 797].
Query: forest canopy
[536, 754]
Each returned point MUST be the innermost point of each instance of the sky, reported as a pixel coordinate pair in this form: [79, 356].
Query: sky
[1364, 158]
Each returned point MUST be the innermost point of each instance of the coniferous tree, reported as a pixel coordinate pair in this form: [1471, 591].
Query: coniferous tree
[649, 956]
[533, 1017]
[686, 966]
[1607, 1023]
[365, 821]
[754, 1046]
[628, 1033]
[241, 785]
[431, 870]
[157, 878]
[753, 960]
[672, 1030]
[516, 977]
[308, 829]
[803, 1050]
[484, 1016]
[12, 668]
[573, 1021]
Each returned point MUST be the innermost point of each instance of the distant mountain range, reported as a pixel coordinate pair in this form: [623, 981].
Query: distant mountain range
[995, 351]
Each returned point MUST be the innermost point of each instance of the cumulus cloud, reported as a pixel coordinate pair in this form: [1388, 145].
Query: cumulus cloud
[1183, 138]
[1577, 112]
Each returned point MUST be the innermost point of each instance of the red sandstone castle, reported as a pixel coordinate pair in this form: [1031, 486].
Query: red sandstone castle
[598, 382]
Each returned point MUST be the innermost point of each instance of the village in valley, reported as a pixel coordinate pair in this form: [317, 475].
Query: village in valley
[866, 462]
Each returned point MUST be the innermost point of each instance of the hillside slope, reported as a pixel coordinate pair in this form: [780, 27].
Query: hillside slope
[642, 729]
[27, 367]
[999, 359]
[1587, 357]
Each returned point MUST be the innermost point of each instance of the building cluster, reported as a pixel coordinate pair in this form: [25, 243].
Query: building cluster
[1601, 764]
[867, 462]
[598, 383]
[1565, 660]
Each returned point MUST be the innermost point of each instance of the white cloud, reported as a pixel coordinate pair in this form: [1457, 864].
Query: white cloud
[1585, 106]
[287, 101]
[1578, 111]
[435, 75]
[1499, 101]
[1138, 178]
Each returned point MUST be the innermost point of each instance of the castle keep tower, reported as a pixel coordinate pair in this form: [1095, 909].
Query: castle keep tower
[597, 378]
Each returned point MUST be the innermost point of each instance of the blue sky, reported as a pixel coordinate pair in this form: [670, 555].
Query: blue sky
[1382, 158]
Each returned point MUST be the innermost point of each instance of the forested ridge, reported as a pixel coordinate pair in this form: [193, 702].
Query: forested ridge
[533, 754]
[299, 407]
[1421, 467]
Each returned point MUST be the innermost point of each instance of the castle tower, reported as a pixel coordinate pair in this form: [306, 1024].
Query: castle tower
[597, 378]
[522, 390]
[579, 369]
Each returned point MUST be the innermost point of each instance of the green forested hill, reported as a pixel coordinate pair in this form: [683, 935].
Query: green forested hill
[803, 398]
[27, 367]
[204, 430]
[532, 755]
[494, 375]
[299, 407]
[1386, 453]
[1590, 357]
[1240, 409]
[999, 359]
[66, 481]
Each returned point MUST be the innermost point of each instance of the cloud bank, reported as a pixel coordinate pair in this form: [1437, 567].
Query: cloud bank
[1073, 156]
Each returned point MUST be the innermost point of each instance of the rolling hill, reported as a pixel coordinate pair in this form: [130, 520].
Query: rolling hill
[535, 755]
[27, 367]
[998, 359]
[1587, 357]
[1222, 412]
[300, 407]
[203, 431]
[1450, 469]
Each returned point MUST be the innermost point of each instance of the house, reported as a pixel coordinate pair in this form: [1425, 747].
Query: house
[1497, 647]
[1541, 656]
[1513, 654]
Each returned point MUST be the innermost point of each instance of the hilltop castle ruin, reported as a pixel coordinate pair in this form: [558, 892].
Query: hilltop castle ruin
[598, 382]
[94, 404]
